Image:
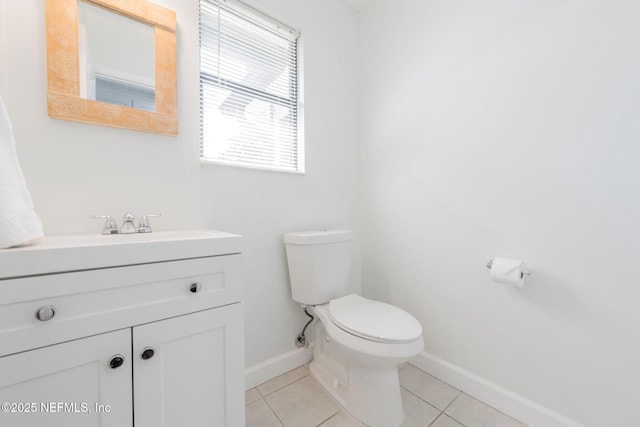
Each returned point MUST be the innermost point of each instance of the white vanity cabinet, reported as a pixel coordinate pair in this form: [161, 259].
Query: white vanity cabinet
[122, 331]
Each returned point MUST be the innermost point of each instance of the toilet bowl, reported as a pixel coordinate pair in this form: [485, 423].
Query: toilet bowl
[358, 343]
[358, 366]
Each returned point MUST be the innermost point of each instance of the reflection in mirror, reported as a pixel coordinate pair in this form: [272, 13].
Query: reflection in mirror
[116, 58]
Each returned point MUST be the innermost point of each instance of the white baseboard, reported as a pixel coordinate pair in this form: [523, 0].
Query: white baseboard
[271, 368]
[504, 400]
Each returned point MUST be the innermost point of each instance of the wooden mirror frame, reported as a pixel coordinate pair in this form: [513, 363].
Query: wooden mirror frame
[63, 96]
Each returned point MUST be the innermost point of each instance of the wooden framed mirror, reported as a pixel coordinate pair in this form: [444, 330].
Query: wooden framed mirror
[82, 91]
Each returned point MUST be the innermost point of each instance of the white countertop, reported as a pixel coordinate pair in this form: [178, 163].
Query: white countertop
[54, 254]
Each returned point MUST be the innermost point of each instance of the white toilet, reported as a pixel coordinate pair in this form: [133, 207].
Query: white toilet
[358, 343]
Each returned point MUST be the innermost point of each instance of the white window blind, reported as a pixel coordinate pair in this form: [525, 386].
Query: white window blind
[248, 88]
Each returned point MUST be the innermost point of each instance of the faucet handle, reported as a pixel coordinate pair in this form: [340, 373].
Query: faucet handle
[143, 225]
[110, 225]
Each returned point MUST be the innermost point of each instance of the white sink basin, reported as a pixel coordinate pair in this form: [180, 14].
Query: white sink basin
[53, 254]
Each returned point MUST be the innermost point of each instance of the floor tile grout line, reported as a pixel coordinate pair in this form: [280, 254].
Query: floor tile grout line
[320, 425]
[433, 376]
[328, 418]
[436, 408]
[483, 403]
[427, 402]
[274, 412]
[452, 400]
[436, 419]
[296, 381]
[291, 383]
[449, 405]
[448, 416]
[496, 409]
[280, 388]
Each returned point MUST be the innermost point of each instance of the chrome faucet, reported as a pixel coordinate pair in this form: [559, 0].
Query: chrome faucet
[127, 224]
[128, 227]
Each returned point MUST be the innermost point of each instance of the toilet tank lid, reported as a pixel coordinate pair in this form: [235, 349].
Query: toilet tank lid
[315, 237]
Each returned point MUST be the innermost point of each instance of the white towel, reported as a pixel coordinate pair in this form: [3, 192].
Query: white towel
[19, 224]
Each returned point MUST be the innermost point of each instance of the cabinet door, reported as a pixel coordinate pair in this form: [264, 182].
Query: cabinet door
[69, 385]
[195, 377]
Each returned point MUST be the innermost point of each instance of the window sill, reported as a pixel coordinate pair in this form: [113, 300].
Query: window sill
[207, 162]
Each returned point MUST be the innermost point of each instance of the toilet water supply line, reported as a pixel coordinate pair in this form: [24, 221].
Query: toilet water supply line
[301, 340]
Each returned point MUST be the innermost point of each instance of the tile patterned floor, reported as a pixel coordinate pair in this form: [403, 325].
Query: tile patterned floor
[295, 399]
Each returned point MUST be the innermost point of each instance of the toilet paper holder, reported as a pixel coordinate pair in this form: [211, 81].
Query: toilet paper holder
[524, 272]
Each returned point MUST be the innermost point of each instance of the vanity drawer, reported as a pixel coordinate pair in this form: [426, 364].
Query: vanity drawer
[96, 301]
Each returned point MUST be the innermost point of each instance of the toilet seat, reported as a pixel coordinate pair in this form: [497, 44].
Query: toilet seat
[373, 320]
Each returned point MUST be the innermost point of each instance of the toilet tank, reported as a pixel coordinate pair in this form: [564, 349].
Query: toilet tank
[319, 263]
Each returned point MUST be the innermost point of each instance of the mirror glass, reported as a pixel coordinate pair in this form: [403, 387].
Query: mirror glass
[116, 58]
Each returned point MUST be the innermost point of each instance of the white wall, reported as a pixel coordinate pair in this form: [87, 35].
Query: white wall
[503, 128]
[74, 170]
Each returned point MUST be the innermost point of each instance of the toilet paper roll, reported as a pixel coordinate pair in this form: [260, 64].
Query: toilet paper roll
[508, 271]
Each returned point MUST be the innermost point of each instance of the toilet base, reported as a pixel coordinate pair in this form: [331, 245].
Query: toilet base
[369, 393]
[372, 396]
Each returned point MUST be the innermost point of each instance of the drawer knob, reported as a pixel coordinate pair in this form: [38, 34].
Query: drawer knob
[116, 361]
[147, 353]
[46, 312]
[195, 287]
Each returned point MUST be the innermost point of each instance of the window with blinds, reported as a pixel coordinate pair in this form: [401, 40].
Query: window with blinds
[249, 112]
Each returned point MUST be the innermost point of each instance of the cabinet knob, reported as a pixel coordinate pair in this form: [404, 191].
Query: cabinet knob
[195, 287]
[147, 353]
[116, 361]
[46, 312]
